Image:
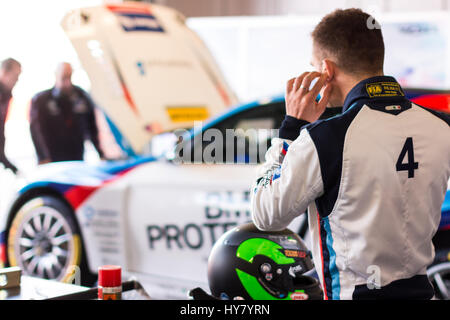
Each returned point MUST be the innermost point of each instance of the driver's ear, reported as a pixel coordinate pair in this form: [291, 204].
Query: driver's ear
[329, 68]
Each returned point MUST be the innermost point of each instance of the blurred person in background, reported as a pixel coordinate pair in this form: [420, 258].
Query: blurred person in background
[10, 70]
[61, 119]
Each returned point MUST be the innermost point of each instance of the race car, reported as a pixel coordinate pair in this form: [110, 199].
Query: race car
[156, 215]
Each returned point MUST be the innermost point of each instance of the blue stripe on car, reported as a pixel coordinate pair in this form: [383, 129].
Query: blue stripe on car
[120, 139]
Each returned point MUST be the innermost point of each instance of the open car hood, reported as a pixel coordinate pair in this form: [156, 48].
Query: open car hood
[149, 72]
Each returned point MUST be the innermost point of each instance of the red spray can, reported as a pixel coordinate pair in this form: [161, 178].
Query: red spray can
[110, 282]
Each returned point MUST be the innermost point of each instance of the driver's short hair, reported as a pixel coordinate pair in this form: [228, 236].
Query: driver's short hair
[8, 64]
[353, 38]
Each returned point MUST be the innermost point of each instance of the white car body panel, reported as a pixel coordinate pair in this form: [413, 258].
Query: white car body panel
[160, 221]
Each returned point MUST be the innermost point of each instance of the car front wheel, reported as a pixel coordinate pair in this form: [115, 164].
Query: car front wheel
[44, 240]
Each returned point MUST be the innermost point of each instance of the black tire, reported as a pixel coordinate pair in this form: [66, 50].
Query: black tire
[45, 241]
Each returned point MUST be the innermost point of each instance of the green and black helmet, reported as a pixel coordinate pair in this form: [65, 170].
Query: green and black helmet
[246, 263]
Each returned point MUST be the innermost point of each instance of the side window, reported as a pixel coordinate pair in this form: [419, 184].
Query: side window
[241, 138]
[254, 129]
[251, 139]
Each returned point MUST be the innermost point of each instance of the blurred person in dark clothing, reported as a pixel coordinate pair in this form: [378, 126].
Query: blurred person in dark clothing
[61, 119]
[10, 70]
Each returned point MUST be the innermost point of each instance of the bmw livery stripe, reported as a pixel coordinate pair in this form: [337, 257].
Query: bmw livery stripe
[85, 179]
[76, 195]
[120, 139]
[135, 18]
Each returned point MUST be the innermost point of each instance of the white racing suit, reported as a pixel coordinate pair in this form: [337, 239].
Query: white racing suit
[373, 180]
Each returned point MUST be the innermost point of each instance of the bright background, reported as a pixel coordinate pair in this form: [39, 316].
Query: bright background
[30, 32]
[257, 54]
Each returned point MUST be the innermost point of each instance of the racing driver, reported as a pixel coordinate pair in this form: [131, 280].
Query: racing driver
[372, 178]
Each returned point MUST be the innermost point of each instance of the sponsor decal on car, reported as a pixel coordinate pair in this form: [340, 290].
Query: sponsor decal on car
[218, 219]
[136, 18]
[187, 113]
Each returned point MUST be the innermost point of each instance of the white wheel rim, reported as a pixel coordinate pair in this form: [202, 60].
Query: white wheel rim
[44, 244]
[437, 274]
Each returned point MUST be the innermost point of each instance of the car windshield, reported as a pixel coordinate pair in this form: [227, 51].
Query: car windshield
[240, 137]
[161, 144]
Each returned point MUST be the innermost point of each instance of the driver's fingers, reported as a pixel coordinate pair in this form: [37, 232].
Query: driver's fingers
[323, 102]
[306, 83]
[289, 85]
[319, 85]
[298, 81]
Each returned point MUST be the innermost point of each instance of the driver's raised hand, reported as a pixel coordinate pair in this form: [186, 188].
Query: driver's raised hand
[301, 102]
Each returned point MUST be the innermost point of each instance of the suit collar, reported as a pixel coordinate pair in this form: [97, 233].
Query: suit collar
[374, 88]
